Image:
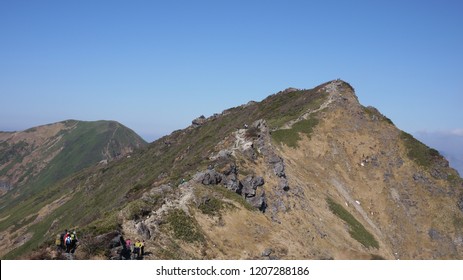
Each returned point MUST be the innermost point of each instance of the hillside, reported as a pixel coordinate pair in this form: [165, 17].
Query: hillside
[33, 160]
[303, 174]
[52, 152]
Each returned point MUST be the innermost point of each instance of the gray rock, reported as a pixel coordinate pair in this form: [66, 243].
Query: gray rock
[223, 154]
[267, 252]
[274, 159]
[232, 183]
[115, 253]
[259, 201]
[162, 189]
[437, 173]
[434, 234]
[231, 170]
[460, 204]
[279, 169]
[399, 162]
[420, 178]
[143, 230]
[283, 184]
[259, 124]
[250, 184]
[115, 240]
[209, 177]
[250, 153]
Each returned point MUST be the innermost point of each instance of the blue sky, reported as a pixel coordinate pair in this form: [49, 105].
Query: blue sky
[156, 65]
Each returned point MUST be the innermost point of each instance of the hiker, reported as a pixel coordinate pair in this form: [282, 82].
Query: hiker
[126, 249]
[59, 243]
[63, 246]
[68, 242]
[74, 241]
[128, 244]
[137, 249]
[142, 248]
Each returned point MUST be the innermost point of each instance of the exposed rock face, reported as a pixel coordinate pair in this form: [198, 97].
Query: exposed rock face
[143, 230]
[209, 177]
[250, 184]
[460, 204]
[199, 121]
[233, 184]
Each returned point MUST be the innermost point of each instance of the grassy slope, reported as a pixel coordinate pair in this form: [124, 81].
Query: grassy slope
[82, 147]
[99, 191]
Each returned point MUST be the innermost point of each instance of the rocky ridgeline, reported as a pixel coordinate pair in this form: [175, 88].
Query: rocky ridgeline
[257, 142]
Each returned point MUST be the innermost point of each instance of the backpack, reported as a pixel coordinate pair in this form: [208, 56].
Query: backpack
[58, 240]
[68, 240]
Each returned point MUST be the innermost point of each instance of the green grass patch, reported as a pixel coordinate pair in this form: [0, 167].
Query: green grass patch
[211, 206]
[137, 209]
[419, 152]
[233, 196]
[291, 136]
[373, 114]
[109, 222]
[356, 229]
[184, 227]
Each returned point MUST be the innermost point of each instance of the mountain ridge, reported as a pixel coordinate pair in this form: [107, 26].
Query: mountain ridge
[303, 174]
[23, 147]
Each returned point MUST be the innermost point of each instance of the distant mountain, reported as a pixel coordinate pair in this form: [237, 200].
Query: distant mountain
[303, 174]
[36, 158]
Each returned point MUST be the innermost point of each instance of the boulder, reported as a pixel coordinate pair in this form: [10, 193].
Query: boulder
[143, 230]
[279, 169]
[274, 159]
[283, 184]
[199, 121]
[267, 252]
[231, 169]
[259, 201]
[115, 253]
[115, 242]
[232, 183]
[209, 177]
[434, 234]
[250, 184]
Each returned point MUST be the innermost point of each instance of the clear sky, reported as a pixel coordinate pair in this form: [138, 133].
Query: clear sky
[156, 65]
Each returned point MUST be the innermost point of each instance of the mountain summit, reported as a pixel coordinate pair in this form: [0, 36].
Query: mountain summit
[303, 174]
[54, 151]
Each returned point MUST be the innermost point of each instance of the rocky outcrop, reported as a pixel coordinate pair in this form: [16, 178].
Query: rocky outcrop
[460, 204]
[250, 184]
[229, 179]
[143, 230]
[209, 177]
[198, 121]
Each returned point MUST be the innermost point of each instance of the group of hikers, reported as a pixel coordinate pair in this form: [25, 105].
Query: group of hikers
[66, 241]
[132, 251]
